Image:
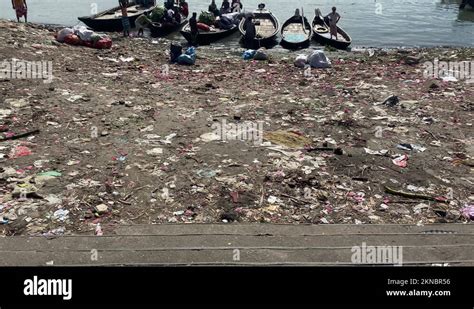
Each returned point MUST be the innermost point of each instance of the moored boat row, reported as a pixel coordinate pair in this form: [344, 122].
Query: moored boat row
[259, 28]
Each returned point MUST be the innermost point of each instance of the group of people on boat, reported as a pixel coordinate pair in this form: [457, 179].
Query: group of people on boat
[182, 6]
[225, 17]
[226, 7]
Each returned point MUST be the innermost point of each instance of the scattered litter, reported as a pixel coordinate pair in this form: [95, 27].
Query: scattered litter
[50, 173]
[128, 59]
[401, 161]
[411, 147]
[391, 101]
[20, 151]
[155, 152]
[98, 230]
[17, 103]
[206, 173]
[101, 209]
[61, 215]
[468, 212]
[382, 152]
[287, 139]
[209, 137]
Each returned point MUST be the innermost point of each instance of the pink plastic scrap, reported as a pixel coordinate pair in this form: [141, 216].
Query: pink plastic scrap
[468, 211]
[401, 161]
[20, 151]
[98, 230]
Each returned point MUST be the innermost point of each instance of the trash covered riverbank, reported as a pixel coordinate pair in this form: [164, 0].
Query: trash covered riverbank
[120, 136]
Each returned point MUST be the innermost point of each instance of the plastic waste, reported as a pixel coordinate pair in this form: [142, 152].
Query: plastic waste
[188, 58]
[249, 54]
[20, 151]
[411, 147]
[468, 212]
[319, 60]
[401, 161]
[301, 61]
[260, 54]
[50, 173]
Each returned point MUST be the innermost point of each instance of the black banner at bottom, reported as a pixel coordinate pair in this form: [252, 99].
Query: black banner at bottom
[63, 286]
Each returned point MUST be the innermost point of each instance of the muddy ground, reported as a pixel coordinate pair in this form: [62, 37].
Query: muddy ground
[155, 159]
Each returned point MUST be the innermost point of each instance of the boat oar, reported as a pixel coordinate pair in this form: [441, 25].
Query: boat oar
[302, 20]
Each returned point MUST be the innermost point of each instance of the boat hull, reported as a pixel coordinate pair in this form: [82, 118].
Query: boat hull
[111, 24]
[324, 39]
[160, 31]
[299, 44]
[268, 40]
[206, 38]
[467, 2]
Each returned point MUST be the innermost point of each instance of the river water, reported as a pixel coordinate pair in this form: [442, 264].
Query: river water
[371, 23]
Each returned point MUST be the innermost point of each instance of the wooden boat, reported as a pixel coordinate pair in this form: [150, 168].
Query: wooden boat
[163, 29]
[322, 35]
[266, 25]
[111, 20]
[466, 2]
[206, 38]
[296, 33]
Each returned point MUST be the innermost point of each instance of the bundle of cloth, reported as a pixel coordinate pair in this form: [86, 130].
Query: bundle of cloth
[227, 21]
[80, 35]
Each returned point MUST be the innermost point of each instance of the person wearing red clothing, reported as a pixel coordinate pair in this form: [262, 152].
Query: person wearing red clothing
[184, 7]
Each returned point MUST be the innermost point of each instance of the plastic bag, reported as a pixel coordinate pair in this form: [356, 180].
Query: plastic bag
[248, 54]
[260, 54]
[319, 60]
[186, 59]
[301, 61]
[191, 51]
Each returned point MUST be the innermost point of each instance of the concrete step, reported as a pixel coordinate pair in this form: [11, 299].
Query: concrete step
[257, 244]
[282, 229]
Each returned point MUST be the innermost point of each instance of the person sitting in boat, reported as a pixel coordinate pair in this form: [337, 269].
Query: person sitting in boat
[145, 3]
[184, 7]
[125, 21]
[333, 19]
[169, 16]
[236, 6]
[176, 15]
[225, 7]
[213, 8]
[169, 4]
